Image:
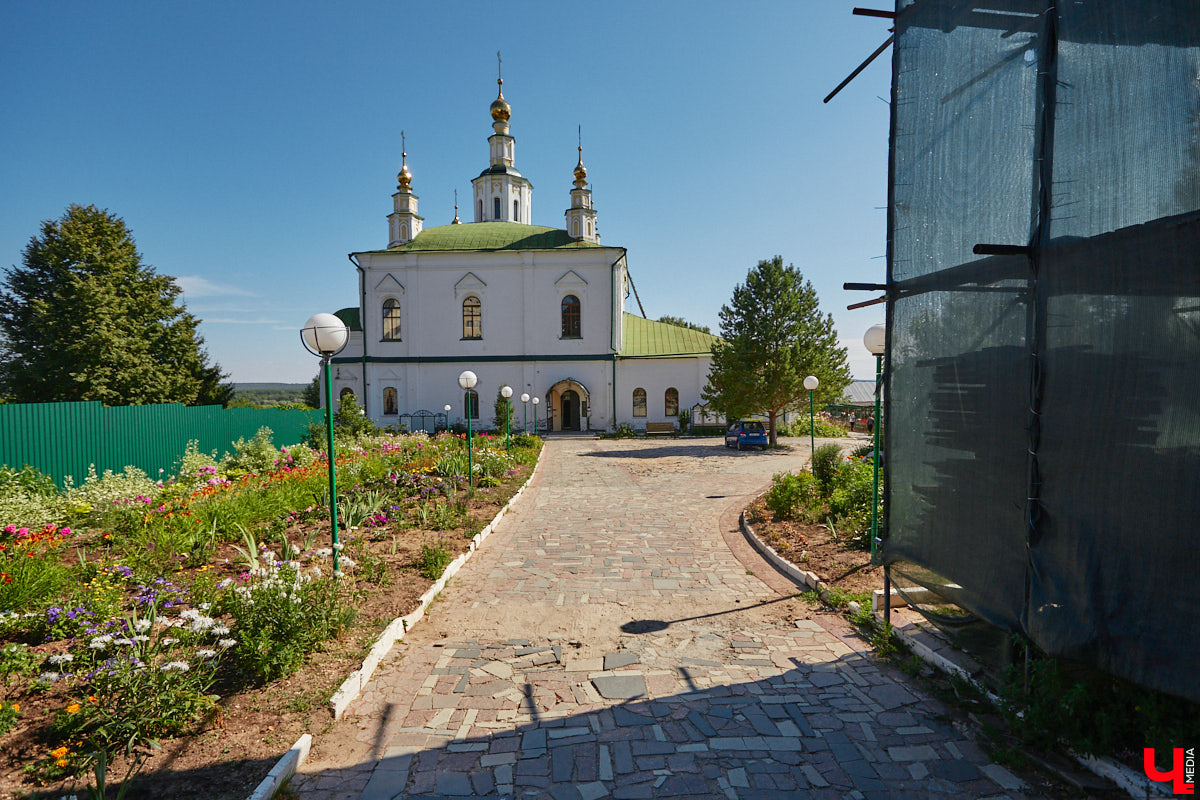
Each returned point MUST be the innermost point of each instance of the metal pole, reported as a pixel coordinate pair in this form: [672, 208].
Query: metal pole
[507, 417]
[875, 462]
[812, 425]
[526, 404]
[470, 468]
[333, 524]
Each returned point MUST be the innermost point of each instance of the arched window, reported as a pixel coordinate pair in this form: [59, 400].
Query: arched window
[639, 402]
[403, 231]
[516, 210]
[472, 318]
[479, 216]
[391, 320]
[575, 228]
[496, 207]
[390, 406]
[571, 327]
[471, 404]
[672, 402]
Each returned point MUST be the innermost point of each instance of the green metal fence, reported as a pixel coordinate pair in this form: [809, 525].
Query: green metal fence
[62, 439]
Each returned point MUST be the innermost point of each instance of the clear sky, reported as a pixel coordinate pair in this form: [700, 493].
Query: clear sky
[251, 145]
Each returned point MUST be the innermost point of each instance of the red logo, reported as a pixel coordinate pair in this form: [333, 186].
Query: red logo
[1183, 769]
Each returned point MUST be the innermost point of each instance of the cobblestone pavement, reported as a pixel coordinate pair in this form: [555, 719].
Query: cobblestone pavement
[606, 642]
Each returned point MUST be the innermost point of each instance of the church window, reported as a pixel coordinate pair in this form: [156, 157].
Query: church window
[391, 320]
[479, 216]
[571, 327]
[403, 231]
[390, 406]
[471, 404]
[575, 228]
[639, 402]
[496, 207]
[672, 402]
[472, 318]
[516, 210]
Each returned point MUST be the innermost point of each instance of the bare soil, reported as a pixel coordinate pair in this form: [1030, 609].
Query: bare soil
[816, 549]
[231, 750]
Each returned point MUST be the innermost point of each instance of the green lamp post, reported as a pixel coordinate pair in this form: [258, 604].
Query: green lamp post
[875, 341]
[467, 381]
[324, 335]
[811, 383]
[525, 402]
[535, 405]
[506, 393]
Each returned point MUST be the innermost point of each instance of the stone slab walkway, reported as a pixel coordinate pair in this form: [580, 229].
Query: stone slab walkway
[606, 642]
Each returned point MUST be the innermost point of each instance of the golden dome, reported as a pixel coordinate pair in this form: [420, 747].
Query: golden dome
[404, 177]
[500, 108]
[580, 171]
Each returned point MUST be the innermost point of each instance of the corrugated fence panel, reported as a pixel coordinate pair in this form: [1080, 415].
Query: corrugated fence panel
[62, 439]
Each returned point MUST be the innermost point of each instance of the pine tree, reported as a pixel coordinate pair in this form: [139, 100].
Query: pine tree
[772, 336]
[84, 319]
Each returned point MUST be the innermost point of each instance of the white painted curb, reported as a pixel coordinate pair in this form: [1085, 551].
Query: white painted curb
[284, 768]
[350, 689]
[1128, 780]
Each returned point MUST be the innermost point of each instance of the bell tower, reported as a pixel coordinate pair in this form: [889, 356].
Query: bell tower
[581, 216]
[403, 223]
[501, 193]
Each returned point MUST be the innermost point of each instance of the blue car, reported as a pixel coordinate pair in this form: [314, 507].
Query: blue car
[746, 433]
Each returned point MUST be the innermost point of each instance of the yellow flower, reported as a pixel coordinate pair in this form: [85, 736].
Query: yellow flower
[92, 699]
[59, 752]
[71, 709]
[62, 762]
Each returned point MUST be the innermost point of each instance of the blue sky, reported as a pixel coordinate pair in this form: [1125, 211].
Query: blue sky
[251, 146]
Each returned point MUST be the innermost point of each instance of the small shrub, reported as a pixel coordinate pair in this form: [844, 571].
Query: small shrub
[625, 431]
[257, 455]
[194, 469]
[8, 716]
[825, 463]
[103, 493]
[792, 495]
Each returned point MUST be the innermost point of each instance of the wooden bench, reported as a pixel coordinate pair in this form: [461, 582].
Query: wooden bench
[659, 427]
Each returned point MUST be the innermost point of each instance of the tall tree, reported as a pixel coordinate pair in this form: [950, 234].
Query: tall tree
[683, 323]
[772, 336]
[83, 319]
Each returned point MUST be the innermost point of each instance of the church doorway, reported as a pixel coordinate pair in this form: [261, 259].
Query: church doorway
[567, 404]
[570, 410]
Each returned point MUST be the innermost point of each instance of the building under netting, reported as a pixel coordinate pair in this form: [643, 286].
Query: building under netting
[1043, 368]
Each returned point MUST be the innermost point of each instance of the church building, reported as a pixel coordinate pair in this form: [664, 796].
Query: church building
[539, 309]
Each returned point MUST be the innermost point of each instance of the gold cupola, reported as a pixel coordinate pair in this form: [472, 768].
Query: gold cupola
[500, 108]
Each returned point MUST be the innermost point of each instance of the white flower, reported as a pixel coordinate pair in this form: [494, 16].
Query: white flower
[337, 573]
[220, 630]
[100, 642]
[205, 606]
[141, 637]
[324, 552]
[142, 625]
[206, 653]
[62, 658]
[226, 643]
[49, 677]
[316, 571]
[189, 613]
[181, 666]
[122, 640]
[339, 546]
[225, 584]
[167, 641]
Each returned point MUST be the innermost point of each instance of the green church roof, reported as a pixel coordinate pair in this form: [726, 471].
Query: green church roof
[644, 338]
[489, 236]
[349, 317]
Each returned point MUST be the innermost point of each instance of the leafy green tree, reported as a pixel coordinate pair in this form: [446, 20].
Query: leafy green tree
[83, 319]
[312, 392]
[683, 323]
[773, 335]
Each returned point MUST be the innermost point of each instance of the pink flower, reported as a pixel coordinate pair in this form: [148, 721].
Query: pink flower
[22, 533]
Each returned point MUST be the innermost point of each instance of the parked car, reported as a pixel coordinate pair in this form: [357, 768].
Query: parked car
[746, 433]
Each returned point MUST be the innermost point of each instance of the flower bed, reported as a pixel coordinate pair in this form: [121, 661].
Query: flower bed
[204, 614]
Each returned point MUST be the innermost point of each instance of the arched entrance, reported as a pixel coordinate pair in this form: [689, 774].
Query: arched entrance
[567, 402]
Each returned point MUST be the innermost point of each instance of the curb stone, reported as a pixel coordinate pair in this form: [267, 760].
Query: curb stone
[284, 769]
[1128, 780]
[350, 689]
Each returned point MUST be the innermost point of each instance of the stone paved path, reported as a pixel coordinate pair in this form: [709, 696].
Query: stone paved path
[606, 642]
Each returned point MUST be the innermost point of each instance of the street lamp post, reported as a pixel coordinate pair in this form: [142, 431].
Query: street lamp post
[325, 335]
[525, 402]
[446, 408]
[535, 405]
[811, 383]
[875, 341]
[467, 381]
[506, 393]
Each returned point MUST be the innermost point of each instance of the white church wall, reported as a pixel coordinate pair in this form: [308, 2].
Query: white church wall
[687, 375]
